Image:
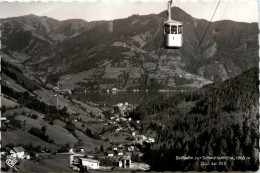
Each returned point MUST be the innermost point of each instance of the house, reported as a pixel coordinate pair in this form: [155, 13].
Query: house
[19, 152]
[143, 137]
[120, 153]
[125, 162]
[110, 154]
[27, 156]
[120, 146]
[89, 163]
[112, 118]
[115, 89]
[120, 105]
[58, 90]
[71, 150]
[114, 148]
[131, 148]
[133, 133]
[150, 140]
[3, 118]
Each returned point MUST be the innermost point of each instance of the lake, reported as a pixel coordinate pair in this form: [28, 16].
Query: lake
[112, 98]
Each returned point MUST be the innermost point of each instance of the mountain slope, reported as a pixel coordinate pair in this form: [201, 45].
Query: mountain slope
[33, 34]
[129, 53]
[218, 120]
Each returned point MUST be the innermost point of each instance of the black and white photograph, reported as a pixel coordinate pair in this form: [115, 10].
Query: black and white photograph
[129, 86]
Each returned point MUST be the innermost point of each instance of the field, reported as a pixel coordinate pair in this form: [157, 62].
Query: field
[70, 81]
[59, 163]
[117, 137]
[59, 134]
[24, 137]
[91, 144]
[12, 84]
[8, 103]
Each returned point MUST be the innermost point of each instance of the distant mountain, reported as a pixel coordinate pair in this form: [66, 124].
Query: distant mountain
[32, 34]
[129, 53]
[219, 119]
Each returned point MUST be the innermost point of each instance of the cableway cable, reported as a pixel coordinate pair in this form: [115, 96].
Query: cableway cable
[201, 40]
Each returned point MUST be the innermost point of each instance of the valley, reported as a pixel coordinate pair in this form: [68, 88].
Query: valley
[76, 93]
[103, 55]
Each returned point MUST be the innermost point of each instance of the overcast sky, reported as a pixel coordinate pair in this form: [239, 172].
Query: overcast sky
[244, 11]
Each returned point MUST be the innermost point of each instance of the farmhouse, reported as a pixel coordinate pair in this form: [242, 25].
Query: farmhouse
[89, 163]
[114, 147]
[131, 148]
[119, 152]
[150, 140]
[110, 154]
[19, 151]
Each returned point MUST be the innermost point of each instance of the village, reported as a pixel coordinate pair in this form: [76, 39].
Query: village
[118, 155]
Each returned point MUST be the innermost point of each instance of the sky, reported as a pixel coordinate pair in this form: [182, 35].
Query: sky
[239, 10]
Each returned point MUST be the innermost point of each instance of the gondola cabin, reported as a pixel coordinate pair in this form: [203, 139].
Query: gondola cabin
[173, 34]
[172, 31]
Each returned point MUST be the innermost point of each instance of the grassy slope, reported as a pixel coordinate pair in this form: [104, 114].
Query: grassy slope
[90, 144]
[57, 164]
[59, 134]
[8, 103]
[23, 137]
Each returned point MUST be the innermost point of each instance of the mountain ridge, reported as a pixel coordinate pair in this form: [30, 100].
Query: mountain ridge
[129, 53]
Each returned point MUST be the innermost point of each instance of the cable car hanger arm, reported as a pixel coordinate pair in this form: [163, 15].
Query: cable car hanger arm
[169, 9]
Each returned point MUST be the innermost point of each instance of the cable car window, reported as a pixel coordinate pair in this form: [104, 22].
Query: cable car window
[174, 29]
[167, 29]
[179, 29]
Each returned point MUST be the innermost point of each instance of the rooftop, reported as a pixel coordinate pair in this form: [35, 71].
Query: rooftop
[90, 160]
[18, 149]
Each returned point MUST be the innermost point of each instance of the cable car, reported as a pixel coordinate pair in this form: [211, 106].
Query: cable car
[172, 31]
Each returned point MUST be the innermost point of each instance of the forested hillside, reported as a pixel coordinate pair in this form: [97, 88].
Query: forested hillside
[220, 119]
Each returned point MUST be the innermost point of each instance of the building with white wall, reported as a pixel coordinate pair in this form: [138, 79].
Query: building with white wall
[89, 163]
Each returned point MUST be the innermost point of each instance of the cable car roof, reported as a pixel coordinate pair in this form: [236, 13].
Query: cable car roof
[173, 22]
